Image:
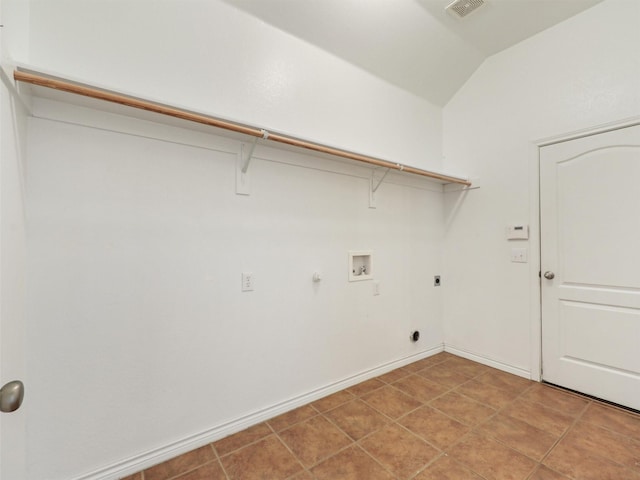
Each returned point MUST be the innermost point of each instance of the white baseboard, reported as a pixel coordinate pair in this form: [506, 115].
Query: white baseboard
[488, 361]
[152, 457]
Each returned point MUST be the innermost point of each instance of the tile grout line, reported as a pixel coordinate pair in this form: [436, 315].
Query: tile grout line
[452, 389]
[354, 442]
[280, 439]
[396, 423]
[472, 429]
[191, 470]
[224, 470]
[330, 421]
[391, 421]
[253, 442]
[575, 421]
[442, 452]
[377, 461]
[578, 419]
[500, 411]
[562, 436]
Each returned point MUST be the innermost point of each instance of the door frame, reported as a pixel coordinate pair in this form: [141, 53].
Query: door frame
[535, 236]
[13, 131]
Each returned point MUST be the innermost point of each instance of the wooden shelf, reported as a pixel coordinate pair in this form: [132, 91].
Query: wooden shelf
[65, 85]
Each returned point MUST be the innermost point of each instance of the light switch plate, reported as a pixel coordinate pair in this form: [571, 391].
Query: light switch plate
[519, 255]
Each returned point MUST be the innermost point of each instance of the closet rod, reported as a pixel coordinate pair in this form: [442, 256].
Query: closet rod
[99, 94]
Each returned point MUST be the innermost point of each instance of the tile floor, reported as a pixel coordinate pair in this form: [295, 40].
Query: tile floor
[441, 418]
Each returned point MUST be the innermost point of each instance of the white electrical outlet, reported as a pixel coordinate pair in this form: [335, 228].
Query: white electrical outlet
[376, 288]
[247, 281]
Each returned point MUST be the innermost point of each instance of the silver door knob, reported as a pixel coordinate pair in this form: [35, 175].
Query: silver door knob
[549, 275]
[11, 396]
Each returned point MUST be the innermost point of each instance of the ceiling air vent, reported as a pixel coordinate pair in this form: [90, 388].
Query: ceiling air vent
[462, 8]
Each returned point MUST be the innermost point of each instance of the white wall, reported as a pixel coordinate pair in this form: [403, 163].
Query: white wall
[139, 336]
[582, 73]
[208, 56]
[136, 245]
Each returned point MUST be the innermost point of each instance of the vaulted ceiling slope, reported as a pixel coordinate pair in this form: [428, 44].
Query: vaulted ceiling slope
[413, 44]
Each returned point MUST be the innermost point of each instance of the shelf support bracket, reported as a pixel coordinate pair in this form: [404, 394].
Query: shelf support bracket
[452, 187]
[243, 181]
[13, 88]
[375, 189]
[247, 160]
[374, 185]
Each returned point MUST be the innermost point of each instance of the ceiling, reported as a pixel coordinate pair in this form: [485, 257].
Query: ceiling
[413, 44]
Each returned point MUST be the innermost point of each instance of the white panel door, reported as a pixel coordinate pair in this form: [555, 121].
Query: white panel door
[12, 284]
[590, 233]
